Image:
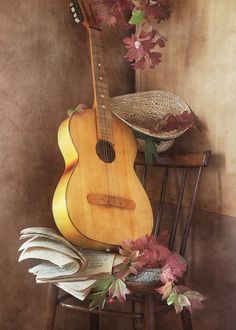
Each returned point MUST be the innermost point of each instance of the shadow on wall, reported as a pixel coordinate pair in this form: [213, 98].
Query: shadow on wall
[193, 141]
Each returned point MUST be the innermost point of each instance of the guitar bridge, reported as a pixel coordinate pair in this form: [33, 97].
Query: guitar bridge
[111, 201]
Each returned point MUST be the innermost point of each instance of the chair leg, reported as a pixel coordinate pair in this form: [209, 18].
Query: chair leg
[94, 321]
[186, 320]
[51, 307]
[149, 315]
[137, 308]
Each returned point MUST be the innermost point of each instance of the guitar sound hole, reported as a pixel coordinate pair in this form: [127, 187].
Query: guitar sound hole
[105, 151]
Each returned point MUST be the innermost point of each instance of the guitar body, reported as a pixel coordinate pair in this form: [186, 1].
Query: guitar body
[98, 204]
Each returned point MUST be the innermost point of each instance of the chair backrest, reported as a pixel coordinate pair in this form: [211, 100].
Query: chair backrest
[185, 163]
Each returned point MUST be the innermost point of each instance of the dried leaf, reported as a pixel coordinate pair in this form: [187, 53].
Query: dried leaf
[195, 299]
[177, 264]
[118, 290]
[165, 290]
[179, 300]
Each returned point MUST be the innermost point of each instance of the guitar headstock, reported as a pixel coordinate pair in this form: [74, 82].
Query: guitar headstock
[84, 13]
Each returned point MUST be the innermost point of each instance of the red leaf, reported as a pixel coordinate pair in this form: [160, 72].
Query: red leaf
[113, 12]
[177, 264]
[177, 122]
[140, 49]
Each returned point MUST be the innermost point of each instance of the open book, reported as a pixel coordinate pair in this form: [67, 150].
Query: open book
[73, 270]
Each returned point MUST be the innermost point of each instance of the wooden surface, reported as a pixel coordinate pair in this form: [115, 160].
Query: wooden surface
[86, 174]
[199, 65]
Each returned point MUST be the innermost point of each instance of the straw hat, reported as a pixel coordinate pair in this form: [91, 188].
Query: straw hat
[144, 111]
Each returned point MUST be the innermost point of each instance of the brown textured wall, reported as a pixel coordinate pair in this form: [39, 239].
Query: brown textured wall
[199, 65]
[44, 70]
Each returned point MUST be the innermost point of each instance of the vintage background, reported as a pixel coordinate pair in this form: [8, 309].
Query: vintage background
[44, 67]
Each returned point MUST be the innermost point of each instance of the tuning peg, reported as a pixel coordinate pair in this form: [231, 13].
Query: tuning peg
[77, 20]
[72, 9]
[71, 4]
[75, 15]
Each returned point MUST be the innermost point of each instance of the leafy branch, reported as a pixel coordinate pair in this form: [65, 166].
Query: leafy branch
[143, 16]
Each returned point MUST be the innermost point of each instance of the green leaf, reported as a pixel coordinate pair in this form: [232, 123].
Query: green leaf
[103, 283]
[98, 300]
[137, 17]
[171, 299]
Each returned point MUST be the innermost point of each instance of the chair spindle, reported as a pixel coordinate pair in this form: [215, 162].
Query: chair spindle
[162, 200]
[190, 214]
[178, 209]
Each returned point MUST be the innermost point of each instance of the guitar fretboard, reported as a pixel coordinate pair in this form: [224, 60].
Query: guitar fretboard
[100, 84]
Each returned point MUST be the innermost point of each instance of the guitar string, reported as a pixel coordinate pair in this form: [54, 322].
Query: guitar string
[103, 121]
[108, 129]
[93, 43]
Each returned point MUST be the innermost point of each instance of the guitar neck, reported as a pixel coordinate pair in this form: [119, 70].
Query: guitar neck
[100, 86]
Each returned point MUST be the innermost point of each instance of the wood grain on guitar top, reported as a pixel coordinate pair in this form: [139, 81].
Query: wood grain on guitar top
[109, 218]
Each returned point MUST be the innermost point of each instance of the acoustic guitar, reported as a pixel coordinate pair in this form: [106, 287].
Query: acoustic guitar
[99, 200]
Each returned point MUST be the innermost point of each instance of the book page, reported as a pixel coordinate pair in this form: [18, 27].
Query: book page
[50, 244]
[55, 257]
[79, 290]
[49, 232]
[46, 270]
[118, 260]
[98, 262]
[56, 238]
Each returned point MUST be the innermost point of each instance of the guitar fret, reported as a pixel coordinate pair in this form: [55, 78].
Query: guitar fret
[103, 111]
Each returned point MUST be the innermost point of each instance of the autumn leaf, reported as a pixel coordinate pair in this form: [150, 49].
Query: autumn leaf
[165, 290]
[179, 122]
[158, 10]
[113, 12]
[195, 299]
[131, 265]
[163, 238]
[177, 264]
[167, 275]
[179, 300]
[118, 290]
[140, 49]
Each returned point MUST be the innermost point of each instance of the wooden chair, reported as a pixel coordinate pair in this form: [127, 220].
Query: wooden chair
[146, 304]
